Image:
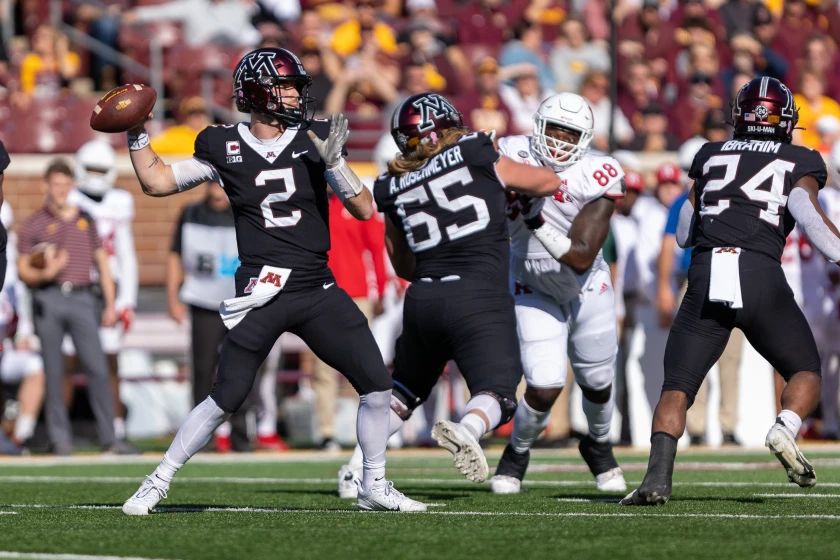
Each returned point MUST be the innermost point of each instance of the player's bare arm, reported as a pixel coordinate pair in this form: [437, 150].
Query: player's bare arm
[109, 290]
[402, 258]
[527, 179]
[343, 181]
[806, 209]
[156, 178]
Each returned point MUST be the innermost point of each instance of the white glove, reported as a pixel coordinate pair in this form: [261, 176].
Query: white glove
[331, 148]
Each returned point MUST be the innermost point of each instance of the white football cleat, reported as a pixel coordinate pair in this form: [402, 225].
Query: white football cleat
[384, 497]
[468, 455]
[782, 444]
[611, 481]
[145, 499]
[347, 477]
[503, 484]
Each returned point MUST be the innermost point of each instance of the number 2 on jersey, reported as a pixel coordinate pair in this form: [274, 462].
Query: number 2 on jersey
[436, 187]
[287, 176]
[775, 171]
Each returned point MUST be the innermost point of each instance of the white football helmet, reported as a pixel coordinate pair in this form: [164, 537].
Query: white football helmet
[566, 110]
[96, 168]
[688, 150]
[834, 166]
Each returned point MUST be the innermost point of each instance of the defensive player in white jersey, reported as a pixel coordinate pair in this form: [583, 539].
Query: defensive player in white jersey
[565, 305]
[113, 211]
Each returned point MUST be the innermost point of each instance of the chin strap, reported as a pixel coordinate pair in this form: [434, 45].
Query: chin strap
[343, 181]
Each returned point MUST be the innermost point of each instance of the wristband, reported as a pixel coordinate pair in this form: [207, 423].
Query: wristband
[345, 184]
[553, 240]
[138, 142]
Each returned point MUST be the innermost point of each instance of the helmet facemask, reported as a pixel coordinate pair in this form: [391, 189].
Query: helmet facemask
[270, 95]
[559, 153]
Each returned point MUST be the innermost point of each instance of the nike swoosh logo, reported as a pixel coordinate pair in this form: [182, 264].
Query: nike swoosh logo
[328, 285]
[378, 479]
[297, 155]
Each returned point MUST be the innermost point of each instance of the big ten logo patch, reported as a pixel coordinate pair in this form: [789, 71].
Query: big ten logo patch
[233, 151]
[271, 278]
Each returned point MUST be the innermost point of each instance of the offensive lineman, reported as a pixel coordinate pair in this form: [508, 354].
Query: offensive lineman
[446, 232]
[113, 211]
[748, 193]
[565, 304]
[275, 170]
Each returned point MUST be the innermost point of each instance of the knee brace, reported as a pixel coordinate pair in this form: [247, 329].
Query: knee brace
[508, 405]
[403, 401]
[597, 396]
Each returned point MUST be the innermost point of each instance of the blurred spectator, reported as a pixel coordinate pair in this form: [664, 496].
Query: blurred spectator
[526, 47]
[575, 55]
[737, 16]
[180, 139]
[812, 104]
[595, 89]
[524, 97]
[349, 37]
[645, 35]
[715, 129]
[768, 60]
[818, 58]
[689, 112]
[794, 28]
[698, 53]
[366, 85]
[425, 12]
[278, 11]
[50, 66]
[670, 278]
[654, 136]
[595, 13]
[414, 81]
[311, 24]
[828, 127]
[313, 59]
[427, 50]
[484, 108]
[693, 10]
[487, 21]
[549, 15]
[64, 303]
[227, 22]
[103, 24]
[357, 260]
[638, 92]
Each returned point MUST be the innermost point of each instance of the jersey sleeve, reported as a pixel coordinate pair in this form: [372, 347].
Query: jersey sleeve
[515, 147]
[602, 176]
[477, 149]
[202, 146]
[811, 163]
[380, 192]
[696, 169]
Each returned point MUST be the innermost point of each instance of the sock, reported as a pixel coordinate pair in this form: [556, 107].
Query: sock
[599, 418]
[194, 434]
[267, 422]
[791, 420]
[372, 430]
[479, 411]
[119, 428]
[394, 425]
[528, 424]
[24, 427]
[663, 451]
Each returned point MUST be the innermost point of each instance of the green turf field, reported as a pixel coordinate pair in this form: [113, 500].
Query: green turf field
[284, 506]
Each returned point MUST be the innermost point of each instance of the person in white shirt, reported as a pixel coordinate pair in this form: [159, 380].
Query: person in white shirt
[565, 307]
[113, 211]
[524, 96]
[595, 90]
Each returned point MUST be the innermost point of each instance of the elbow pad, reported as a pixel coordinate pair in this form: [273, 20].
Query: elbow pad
[343, 181]
[818, 233]
[554, 242]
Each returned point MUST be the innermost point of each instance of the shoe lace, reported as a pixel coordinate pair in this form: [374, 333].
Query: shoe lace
[390, 490]
[148, 486]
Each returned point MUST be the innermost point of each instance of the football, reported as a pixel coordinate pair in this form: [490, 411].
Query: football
[38, 257]
[123, 108]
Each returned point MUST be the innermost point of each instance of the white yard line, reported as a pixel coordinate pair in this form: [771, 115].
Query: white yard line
[803, 495]
[456, 513]
[49, 556]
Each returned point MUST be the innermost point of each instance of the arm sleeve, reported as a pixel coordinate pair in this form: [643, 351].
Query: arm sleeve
[127, 261]
[807, 217]
[685, 225]
[811, 164]
[194, 172]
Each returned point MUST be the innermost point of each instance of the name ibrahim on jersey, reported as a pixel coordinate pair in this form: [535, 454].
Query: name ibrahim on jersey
[747, 196]
[565, 304]
[446, 232]
[276, 178]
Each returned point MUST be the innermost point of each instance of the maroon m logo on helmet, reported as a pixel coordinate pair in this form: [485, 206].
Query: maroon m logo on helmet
[258, 63]
[432, 106]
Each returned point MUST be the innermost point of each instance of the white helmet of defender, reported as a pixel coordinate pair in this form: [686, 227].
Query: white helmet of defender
[96, 167]
[567, 111]
[688, 151]
[834, 166]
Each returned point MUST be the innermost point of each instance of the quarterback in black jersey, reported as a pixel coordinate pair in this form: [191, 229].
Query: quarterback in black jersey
[275, 169]
[748, 194]
[446, 231]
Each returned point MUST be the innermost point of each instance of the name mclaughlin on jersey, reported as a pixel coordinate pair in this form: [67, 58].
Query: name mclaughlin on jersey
[444, 160]
[765, 146]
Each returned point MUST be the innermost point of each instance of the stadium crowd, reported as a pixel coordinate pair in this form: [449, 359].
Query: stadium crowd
[675, 67]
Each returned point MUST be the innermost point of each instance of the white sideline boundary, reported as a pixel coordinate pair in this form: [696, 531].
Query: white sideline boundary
[411, 481]
[454, 513]
[806, 495]
[50, 556]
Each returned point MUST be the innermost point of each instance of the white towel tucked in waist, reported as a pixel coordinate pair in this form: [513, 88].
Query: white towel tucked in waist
[271, 280]
[725, 277]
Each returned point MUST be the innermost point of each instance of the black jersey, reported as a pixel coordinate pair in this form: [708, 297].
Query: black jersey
[741, 190]
[278, 194]
[452, 211]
